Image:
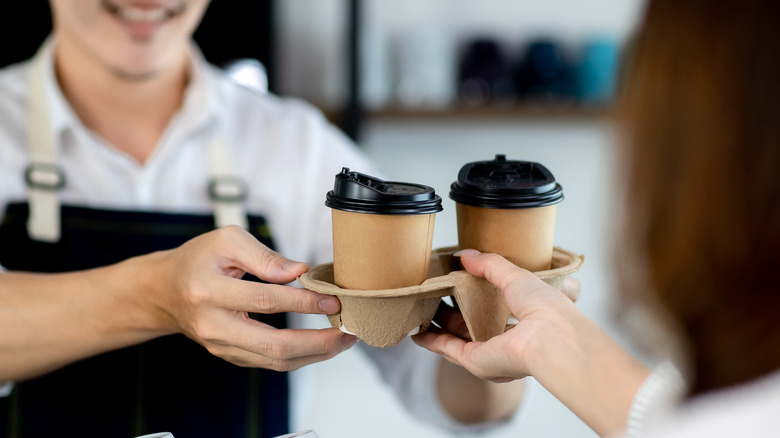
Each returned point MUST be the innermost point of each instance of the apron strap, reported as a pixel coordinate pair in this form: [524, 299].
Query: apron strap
[44, 178]
[228, 192]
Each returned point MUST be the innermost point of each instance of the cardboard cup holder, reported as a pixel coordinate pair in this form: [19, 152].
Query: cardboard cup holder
[382, 318]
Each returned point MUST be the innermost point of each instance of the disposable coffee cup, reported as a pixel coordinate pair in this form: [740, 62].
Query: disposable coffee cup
[382, 231]
[508, 207]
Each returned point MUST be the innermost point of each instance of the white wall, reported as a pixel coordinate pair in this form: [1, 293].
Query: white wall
[312, 42]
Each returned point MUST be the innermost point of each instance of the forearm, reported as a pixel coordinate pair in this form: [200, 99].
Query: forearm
[50, 320]
[471, 400]
[591, 374]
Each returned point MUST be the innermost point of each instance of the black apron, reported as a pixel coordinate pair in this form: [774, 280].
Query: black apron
[169, 384]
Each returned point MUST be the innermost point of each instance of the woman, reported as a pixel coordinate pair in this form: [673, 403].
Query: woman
[700, 125]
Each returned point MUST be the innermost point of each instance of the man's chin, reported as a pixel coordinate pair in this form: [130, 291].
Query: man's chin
[135, 76]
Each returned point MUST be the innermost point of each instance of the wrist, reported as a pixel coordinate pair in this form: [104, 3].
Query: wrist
[588, 372]
[556, 341]
[140, 285]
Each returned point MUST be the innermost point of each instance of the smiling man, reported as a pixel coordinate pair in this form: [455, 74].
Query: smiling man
[122, 66]
[117, 139]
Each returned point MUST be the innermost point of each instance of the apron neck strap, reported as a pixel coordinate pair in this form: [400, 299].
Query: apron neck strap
[228, 192]
[44, 178]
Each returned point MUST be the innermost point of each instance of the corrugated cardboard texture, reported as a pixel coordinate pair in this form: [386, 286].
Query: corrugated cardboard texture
[382, 318]
[373, 251]
[522, 236]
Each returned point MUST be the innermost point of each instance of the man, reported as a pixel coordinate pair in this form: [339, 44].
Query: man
[118, 140]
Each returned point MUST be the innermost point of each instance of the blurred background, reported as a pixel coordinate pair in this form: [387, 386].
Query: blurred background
[425, 87]
[364, 61]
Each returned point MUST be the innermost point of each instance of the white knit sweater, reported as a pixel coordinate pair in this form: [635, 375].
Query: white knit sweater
[751, 409]
[655, 399]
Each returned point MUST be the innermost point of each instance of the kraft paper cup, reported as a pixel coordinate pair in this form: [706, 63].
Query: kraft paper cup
[508, 207]
[375, 251]
[522, 236]
[382, 231]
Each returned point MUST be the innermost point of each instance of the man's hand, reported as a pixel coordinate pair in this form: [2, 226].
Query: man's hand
[204, 298]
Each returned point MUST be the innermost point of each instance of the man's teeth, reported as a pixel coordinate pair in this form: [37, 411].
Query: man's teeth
[143, 15]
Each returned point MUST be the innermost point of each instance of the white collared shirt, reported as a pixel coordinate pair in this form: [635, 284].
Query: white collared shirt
[284, 149]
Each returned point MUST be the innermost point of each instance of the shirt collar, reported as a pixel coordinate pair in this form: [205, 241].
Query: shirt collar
[199, 106]
[201, 99]
[59, 112]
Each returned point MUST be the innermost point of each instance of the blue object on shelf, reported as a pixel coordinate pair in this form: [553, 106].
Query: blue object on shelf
[598, 71]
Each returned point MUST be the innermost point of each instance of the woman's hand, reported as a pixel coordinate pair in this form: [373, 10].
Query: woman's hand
[540, 309]
[552, 341]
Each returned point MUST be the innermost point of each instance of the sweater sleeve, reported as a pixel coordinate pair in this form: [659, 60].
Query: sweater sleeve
[660, 392]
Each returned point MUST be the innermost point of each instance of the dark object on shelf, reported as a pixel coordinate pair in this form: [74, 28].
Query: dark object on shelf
[544, 74]
[485, 73]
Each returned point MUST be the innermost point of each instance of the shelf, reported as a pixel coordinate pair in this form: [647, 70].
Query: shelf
[541, 112]
[516, 112]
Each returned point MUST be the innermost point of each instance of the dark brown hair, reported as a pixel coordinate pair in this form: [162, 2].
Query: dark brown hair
[700, 118]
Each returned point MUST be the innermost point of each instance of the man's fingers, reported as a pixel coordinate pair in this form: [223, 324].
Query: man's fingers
[250, 296]
[277, 345]
[259, 260]
[295, 343]
[246, 358]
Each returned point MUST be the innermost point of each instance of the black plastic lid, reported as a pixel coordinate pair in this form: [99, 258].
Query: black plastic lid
[361, 193]
[506, 184]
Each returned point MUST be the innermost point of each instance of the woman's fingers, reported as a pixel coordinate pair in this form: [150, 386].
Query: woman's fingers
[442, 342]
[483, 359]
[451, 320]
[571, 288]
[496, 269]
[521, 287]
